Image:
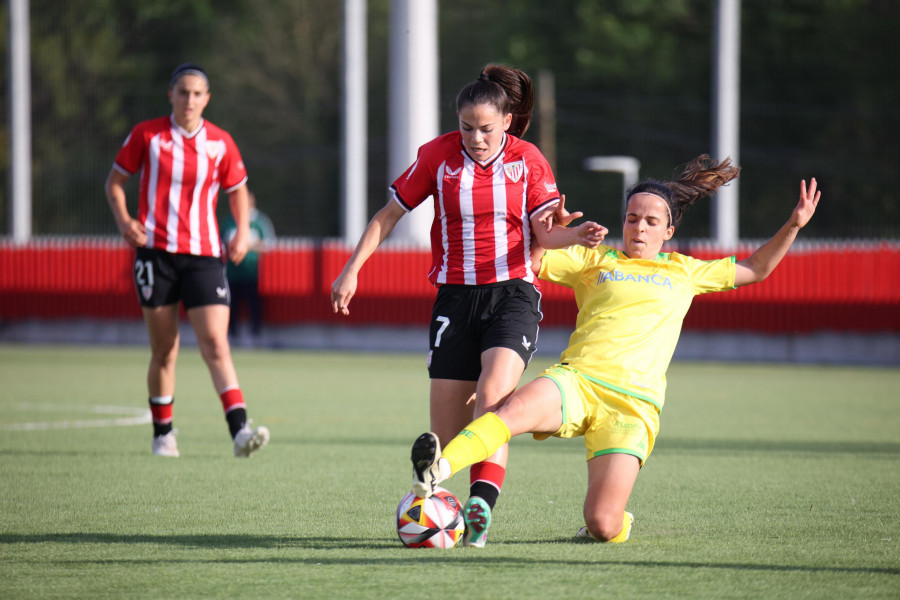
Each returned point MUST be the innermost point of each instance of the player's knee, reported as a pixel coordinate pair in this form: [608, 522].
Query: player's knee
[486, 401]
[214, 349]
[163, 353]
[604, 526]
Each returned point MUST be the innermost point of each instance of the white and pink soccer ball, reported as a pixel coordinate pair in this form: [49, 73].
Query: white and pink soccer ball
[434, 522]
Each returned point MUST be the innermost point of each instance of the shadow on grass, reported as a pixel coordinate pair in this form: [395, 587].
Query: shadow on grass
[283, 441]
[260, 542]
[208, 542]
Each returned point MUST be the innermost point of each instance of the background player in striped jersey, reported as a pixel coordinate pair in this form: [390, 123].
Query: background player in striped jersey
[492, 192]
[610, 383]
[184, 160]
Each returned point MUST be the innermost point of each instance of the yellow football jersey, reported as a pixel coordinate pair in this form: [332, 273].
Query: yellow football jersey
[630, 312]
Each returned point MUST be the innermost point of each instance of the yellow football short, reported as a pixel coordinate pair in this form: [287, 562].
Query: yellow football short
[610, 421]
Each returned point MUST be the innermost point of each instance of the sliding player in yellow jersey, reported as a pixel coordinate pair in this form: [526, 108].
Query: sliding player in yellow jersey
[609, 385]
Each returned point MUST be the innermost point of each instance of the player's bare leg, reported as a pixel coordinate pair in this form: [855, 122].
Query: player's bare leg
[501, 369]
[536, 407]
[210, 324]
[451, 409]
[611, 479]
[450, 406]
[162, 329]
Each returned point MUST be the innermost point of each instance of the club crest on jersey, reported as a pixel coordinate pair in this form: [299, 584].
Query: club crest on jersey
[146, 291]
[165, 145]
[514, 170]
[213, 148]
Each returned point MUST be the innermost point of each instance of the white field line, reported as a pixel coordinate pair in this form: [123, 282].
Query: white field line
[138, 416]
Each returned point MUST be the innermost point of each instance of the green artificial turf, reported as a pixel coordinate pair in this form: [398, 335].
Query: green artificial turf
[767, 481]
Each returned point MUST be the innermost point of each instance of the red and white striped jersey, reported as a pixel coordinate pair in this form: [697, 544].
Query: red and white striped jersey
[482, 212]
[181, 174]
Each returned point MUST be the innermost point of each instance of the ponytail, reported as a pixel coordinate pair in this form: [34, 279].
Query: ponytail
[508, 90]
[698, 179]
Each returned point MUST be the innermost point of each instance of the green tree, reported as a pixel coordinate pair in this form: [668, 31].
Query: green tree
[632, 77]
[277, 81]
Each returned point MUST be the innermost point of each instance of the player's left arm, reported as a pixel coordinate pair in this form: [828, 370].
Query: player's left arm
[763, 261]
[239, 200]
[551, 230]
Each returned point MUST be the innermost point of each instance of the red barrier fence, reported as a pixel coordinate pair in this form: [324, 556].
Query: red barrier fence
[837, 287]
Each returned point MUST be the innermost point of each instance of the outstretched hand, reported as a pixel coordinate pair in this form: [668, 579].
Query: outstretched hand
[590, 234]
[764, 259]
[558, 215]
[562, 216]
[806, 207]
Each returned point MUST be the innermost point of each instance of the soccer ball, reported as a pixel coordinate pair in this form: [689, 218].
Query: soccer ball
[435, 522]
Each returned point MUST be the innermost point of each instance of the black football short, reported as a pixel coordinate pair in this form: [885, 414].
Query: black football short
[469, 319]
[162, 278]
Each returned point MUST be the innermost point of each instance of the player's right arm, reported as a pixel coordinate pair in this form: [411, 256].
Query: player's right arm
[131, 229]
[344, 287]
[558, 234]
[558, 215]
[588, 234]
[763, 261]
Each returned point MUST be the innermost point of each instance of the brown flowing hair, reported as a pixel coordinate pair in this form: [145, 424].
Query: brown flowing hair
[509, 90]
[698, 179]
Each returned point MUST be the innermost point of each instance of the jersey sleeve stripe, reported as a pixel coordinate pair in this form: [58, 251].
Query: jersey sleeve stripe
[399, 200]
[234, 187]
[122, 169]
[542, 206]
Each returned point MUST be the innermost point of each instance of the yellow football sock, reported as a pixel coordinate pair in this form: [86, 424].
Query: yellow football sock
[627, 520]
[481, 438]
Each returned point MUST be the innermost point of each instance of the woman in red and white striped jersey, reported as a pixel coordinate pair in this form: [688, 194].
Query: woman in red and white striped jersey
[492, 191]
[184, 161]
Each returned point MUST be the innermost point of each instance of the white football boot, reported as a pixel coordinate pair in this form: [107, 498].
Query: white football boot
[247, 440]
[165, 445]
[426, 452]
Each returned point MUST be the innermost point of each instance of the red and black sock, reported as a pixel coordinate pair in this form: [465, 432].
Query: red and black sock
[161, 412]
[485, 481]
[235, 409]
